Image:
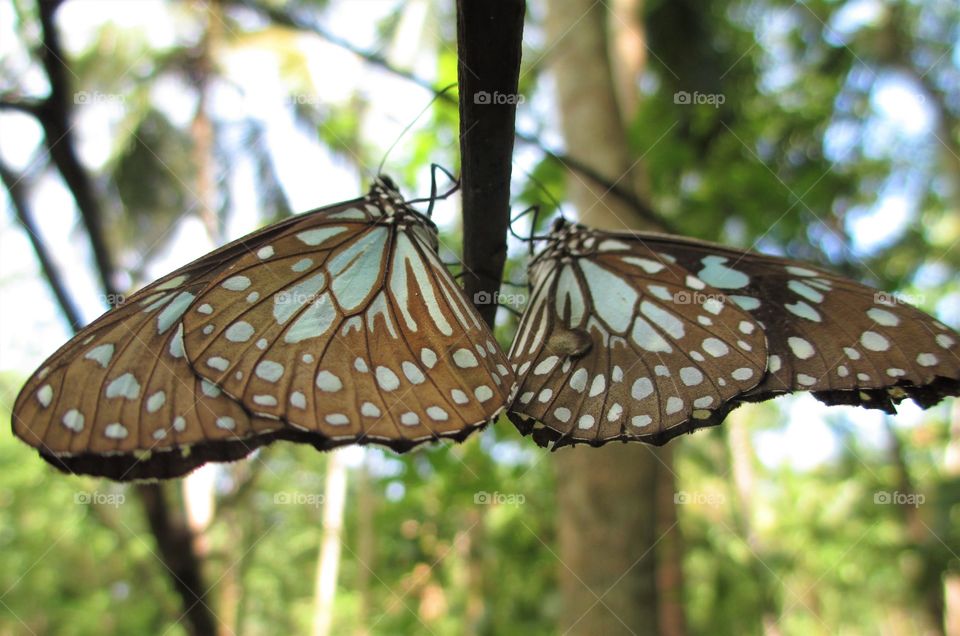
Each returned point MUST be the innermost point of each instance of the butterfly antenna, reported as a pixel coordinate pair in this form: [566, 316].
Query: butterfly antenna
[536, 212]
[533, 208]
[403, 133]
[434, 196]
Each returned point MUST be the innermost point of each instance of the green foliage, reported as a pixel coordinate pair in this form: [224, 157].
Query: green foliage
[148, 212]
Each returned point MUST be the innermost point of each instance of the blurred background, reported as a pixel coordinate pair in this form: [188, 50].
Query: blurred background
[821, 130]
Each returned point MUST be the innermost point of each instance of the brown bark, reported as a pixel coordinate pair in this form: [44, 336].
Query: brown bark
[917, 533]
[670, 581]
[607, 503]
[489, 36]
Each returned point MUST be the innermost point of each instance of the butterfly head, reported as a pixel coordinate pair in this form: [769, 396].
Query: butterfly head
[385, 192]
[394, 210]
[565, 242]
[568, 240]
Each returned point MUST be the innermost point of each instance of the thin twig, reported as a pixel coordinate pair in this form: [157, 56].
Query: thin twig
[16, 188]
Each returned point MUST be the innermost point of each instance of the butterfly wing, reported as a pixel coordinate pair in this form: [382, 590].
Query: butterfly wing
[119, 399]
[845, 342]
[126, 400]
[615, 346]
[351, 329]
[842, 340]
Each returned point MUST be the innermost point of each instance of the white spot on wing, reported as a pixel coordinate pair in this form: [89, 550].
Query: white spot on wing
[125, 386]
[716, 273]
[412, 372]
[356, 269]
[73, 419]
[115, 431]
[483, 393]
[101, 354]
[328, 382]
[314, 322]
[801, 348]
[236, 283]
[387, 379]
[641, 389]
[172, 312]
[873, 341]
[269, 370]
[464, 358]
[239, 331]
[803, 310]
[319, 235]
[156, 401]
[578, 381]
[613, 298]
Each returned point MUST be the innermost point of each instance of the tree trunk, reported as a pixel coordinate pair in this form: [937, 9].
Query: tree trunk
[919, 534]
[328, 563]
[607, 497]
[951, 579]
[741, 468]
[366, 549]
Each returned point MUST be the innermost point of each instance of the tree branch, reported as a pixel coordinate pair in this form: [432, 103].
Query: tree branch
[53, 113]
[18, 197]
[173, 536]
[26, 106]
[489, 39]
[301, 23]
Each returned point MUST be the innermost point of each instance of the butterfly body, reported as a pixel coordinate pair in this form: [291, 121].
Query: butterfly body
[681, 331]
[336, 326]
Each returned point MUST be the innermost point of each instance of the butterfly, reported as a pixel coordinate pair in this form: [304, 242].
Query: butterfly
[642, 336]
[337, 326]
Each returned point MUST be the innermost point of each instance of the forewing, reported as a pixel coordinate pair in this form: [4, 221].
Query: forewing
[352, 331]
